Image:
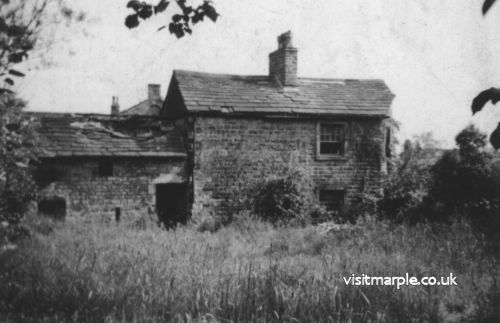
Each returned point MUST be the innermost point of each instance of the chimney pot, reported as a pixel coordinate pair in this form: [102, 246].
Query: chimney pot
[283, 61]
[115, 106]
[154, 95]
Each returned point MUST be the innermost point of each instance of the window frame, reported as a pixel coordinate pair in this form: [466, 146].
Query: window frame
[319, 155]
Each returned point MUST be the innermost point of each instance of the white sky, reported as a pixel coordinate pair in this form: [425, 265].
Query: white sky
[435, 55]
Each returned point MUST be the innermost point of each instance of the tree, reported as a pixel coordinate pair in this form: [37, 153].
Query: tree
[17, 142]
[407, 186]
[20, 25]
[181, 23]
[466, 182]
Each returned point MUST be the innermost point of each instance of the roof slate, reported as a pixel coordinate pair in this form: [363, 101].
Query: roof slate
[65, 135]
[223, 93]
[143, 108]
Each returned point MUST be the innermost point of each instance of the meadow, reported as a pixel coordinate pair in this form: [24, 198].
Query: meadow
[250, 271]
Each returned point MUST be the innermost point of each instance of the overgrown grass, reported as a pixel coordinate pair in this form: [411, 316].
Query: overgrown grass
[247, 272]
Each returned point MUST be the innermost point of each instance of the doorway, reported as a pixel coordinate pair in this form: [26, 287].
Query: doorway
[171, 204]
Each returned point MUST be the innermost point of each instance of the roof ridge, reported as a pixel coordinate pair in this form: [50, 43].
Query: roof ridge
[304, 78]
[216, 74]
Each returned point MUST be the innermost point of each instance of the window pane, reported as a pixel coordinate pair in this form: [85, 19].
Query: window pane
[331, 148]
[331, 139]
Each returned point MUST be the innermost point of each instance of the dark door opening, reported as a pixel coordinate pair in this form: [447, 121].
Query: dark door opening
[171, 204]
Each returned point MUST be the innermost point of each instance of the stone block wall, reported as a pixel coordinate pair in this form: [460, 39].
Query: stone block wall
[130, 188]
[232, 151]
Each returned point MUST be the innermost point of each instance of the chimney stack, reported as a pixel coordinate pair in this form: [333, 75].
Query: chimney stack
[154, 96]
[283, 61]
[115, 106]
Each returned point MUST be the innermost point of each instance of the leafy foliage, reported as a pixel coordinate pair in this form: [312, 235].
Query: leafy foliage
[437, 185]
[492, 94]
[483, 98]
[181, 24]
[487, 5]
[466, 181]
[407, 186]
[280, 199]
[17, 142]
[20, 26]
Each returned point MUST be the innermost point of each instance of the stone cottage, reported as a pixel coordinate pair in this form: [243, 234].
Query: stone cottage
[235, 126]
[190, 154]
[111, 165]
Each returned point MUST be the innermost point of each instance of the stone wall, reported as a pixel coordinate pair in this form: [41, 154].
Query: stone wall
[130, 188]
[229, 152]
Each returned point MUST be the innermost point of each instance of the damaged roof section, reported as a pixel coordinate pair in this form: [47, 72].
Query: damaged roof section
[65, 135]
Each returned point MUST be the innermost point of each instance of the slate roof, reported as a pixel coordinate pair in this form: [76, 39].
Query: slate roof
[142, 108]
[223, 93]
[65, 135]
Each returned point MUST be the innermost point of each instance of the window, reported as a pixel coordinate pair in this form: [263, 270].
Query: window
[105, 168]
[54, 207]
[388, 148]
[331, 139]
[332, 200]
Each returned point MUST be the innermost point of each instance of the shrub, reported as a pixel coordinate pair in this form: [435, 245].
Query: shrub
[279, 199]
[407, 186]
[467, 182]
[287, 199]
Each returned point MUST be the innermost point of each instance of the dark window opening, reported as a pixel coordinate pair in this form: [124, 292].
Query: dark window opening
[332, 200]
[105, 168]
[118, 214]
[54, 207]
[331, 139]
[388, 150]
[171, 204]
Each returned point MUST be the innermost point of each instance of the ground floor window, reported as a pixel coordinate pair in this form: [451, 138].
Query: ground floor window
[54, 207]
[332, 200]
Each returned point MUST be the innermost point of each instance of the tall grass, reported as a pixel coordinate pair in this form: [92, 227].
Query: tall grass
[247, 272]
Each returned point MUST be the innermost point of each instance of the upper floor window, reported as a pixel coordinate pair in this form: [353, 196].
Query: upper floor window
[105, 168]
[331, 139]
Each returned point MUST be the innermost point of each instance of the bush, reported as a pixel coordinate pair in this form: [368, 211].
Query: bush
[407, 186]
[279, 199]
[432, 186]
[467, 182]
